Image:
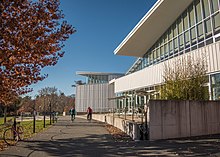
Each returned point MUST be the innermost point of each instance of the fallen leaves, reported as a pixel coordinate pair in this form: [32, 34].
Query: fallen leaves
[117, 134]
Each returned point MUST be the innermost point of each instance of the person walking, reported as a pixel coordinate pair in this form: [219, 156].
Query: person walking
[89, 113]
[72, 113]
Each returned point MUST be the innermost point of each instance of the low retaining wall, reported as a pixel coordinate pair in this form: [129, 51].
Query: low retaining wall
[129, 127]
[172, 119]
[175, 119]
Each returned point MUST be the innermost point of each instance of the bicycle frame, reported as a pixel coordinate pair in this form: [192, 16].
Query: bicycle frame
[12, 135]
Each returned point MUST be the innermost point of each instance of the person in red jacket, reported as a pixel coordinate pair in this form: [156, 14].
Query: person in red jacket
[89, 113]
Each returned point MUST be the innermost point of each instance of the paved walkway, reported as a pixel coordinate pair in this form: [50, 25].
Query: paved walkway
[84, 138]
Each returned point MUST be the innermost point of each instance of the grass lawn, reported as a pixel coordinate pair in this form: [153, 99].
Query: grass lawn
[2, 119]
[28, 129]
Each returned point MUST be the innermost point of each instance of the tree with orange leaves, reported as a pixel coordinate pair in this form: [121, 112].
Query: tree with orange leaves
[32, 36]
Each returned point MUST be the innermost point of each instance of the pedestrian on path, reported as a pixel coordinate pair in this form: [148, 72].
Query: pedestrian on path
[89, 113]
[72, 113]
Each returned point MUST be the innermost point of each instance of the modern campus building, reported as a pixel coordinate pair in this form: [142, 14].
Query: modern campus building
[95, 91]
[170, 30]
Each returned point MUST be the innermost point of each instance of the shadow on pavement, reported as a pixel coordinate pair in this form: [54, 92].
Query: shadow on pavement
[97, 145]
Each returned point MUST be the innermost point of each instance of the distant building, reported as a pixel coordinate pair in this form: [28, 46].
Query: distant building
[95, 91]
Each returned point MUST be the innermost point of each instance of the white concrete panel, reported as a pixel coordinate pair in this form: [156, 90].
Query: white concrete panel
[153, 75]
[215, 65]
[95, 96]
[217, 49]
[211, 58]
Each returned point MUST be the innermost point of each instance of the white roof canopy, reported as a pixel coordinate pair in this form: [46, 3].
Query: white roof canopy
[158, 19]
[85, 73]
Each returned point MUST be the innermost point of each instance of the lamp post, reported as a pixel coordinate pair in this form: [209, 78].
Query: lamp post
[44, 114]
[74, 100]
[34, 116]
[50, 112]
[132, 103]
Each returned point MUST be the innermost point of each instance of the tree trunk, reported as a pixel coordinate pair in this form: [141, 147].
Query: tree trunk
[5, 114]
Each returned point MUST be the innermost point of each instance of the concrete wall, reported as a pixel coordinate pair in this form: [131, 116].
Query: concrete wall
[109, 119]
[174, 119]
[129, 127]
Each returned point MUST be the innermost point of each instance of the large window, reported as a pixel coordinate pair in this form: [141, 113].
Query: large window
[208, 28]
[176, 45]
[206, 11]
[200, 31]
[215, 80]
[170, 32]
[193, 34]
[187, 38]
[181, 42]
[162, 51]
[171, 47]
[214, 5]
[191, 15]
[198, 11]
[166, 49]
[180, 25]
[185, 21]
[216, 21]
[175, 31]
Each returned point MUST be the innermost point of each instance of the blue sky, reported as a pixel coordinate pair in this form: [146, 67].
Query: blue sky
[101, 26]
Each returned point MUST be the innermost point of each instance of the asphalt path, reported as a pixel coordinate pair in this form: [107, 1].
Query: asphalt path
[91, 139]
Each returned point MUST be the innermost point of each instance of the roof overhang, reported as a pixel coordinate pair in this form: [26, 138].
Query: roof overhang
[84, 73]
[111, 81]
[116, 98]
[157, 20]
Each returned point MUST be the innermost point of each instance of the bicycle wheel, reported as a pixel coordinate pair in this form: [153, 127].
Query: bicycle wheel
[20, 131]
[10, 136]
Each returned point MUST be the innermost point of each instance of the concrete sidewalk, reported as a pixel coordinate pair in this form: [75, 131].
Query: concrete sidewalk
[90, 138]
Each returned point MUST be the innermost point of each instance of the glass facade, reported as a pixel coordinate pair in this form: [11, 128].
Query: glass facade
[215, 86]
[96, 79]
[196, 27]
[101, 78]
